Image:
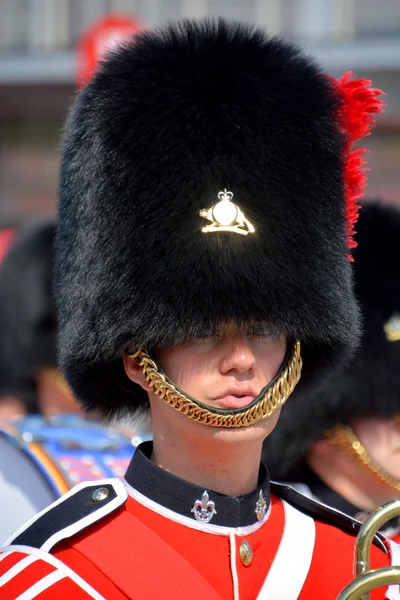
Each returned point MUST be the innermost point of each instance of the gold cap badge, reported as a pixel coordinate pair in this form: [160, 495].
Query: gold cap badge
[226, 216]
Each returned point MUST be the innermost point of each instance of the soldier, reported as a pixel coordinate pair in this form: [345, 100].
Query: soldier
[28, 354]
[29, 380]
[45, 453]
[16, 400]
[343, 444]
[205, 178]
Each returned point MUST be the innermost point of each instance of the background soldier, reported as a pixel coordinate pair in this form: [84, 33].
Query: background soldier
[44, 454]
[28, 349]
[202, 256]
[344, 443]
[18, 399]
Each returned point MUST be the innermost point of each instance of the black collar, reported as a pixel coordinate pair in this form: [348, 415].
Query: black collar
[325, 494]
[188, 499]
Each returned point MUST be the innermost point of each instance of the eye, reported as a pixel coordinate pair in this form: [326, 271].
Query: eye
[203, 340]
[210, 335]
[258, 332]
[264, 335]
[215, 337]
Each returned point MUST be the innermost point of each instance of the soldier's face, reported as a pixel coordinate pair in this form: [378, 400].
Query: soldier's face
[381, 439]
[227, 370]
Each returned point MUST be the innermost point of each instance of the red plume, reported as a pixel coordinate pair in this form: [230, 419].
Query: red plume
[356, 120]
[6, 239]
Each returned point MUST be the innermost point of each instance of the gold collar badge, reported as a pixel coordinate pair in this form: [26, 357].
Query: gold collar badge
[226, 216]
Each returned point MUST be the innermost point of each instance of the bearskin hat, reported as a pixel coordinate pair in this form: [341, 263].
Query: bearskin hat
[169, 121]
[27, 308]
[371, 384]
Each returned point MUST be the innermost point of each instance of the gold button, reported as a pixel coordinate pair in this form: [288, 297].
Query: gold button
[246, 554]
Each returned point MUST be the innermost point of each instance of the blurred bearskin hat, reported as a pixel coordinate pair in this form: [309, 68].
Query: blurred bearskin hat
[169, 121]
[27, 309]
[370, 386]
[23, 389]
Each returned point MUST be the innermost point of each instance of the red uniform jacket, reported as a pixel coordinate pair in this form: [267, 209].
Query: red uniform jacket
[111, 541]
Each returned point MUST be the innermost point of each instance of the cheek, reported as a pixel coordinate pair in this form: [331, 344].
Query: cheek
[271, 358]
[185, 367]
[377, 438]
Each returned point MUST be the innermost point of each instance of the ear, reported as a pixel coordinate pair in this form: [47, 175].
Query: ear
[135, 373]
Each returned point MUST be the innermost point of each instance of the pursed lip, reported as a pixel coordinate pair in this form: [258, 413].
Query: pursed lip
[235, 397]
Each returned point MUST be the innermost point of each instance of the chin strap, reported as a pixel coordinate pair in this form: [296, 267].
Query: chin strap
[345, 440]
[272, 397]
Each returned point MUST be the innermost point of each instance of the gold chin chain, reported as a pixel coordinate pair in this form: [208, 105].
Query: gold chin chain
[274, 396]
[345, 440]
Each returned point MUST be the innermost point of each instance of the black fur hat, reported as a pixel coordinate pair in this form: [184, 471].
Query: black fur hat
[371, 385]
[169, 121]
[27, 307]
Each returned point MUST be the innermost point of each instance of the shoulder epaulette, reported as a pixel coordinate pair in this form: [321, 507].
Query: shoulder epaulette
[79, 508]
[322, 512]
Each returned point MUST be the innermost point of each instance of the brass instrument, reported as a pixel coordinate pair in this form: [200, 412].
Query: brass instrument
[367, 579]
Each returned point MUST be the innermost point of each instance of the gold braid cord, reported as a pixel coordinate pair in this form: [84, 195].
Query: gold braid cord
[345, 440]
[274, 396]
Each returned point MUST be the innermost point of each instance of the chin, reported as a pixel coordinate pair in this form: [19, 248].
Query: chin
[251, 434]
[178, 425]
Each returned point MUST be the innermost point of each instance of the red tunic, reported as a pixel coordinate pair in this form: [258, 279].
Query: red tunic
[137, 553]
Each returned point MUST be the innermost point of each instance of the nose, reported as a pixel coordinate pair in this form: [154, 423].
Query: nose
[238, 356]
